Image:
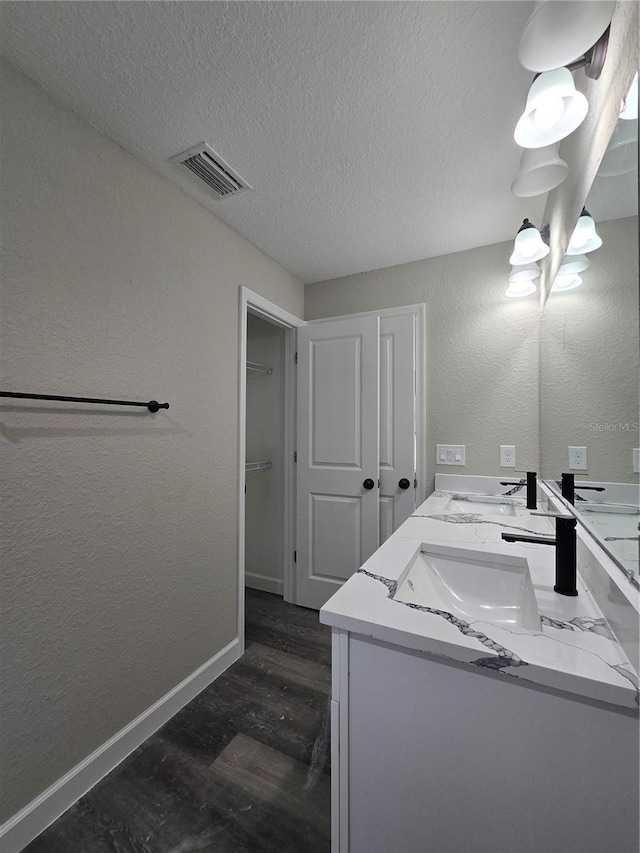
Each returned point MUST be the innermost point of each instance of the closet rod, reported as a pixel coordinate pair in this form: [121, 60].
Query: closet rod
[152, 405]
[257, 466]
[260, 368]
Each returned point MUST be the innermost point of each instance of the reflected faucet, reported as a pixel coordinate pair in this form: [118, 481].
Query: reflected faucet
[565, 544]
[569, 488]
[532, 489]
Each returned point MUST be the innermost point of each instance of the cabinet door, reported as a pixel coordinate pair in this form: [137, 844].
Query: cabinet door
[338, 454]
[397, 421]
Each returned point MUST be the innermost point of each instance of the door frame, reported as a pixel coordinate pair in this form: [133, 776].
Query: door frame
[253, 303]
[419, 311]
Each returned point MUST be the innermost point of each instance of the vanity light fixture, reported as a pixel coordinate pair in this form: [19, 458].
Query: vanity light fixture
[554, 109]
[584, 238]
[629, 109]
[572, 33]
[528, 246]
[520, 288]
[541, 170]
[562, 283]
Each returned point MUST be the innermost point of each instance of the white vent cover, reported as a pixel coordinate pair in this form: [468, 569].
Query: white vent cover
[209, 167]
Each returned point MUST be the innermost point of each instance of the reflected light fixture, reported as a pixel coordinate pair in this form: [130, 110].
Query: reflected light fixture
[524, 272]
[629, 109]
[566, 282]
[520, 288]
[541, 170]
[573, 264]
[621, 155]
[528, 245]
[584, 238]
[554, 109]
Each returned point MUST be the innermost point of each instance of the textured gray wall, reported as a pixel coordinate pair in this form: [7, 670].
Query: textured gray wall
[119, 573]
[481, 350]
[590, 364]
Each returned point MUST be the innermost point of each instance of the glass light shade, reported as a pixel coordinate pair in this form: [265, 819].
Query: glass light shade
[629, 109]
[621, 155]
[520, 288]
[584, 238]
[528, 246]
[541, 169]
[563, 283]
[524, 272]
[574, 264]
[554, 109]
[558, 33]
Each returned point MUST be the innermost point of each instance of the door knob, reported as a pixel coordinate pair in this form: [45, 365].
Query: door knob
[368, 483]
[404, 483]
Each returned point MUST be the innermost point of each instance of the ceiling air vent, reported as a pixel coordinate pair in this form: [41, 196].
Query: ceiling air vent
[203, 162]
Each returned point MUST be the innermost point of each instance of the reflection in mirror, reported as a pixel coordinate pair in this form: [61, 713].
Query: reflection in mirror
[590, 364]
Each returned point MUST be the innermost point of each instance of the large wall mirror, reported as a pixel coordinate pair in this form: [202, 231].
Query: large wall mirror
[590, 363]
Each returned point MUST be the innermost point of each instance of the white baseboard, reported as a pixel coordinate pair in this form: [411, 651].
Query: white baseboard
[24, 826]
[264, 583]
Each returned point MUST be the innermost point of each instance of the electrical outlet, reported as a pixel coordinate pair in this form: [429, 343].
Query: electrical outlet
[450, 454]
[507, 456]
[636, 460]
[578, 458]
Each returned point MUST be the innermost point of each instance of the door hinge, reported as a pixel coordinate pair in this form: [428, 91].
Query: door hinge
[295, 456]
[296, 358]
[378, 483]
[415, 482]
[295, 556]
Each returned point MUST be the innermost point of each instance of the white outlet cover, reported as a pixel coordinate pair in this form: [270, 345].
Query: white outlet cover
[507, 456]
[578, 458]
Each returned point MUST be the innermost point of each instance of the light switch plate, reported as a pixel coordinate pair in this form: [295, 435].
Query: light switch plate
[450, 454]
[636, 460]
[507, 456]
[578, 458]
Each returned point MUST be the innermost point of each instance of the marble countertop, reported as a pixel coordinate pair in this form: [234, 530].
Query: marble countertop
[575, 650]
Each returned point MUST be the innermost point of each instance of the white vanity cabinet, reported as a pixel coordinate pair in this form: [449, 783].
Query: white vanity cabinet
[432, 756]
[457, 728]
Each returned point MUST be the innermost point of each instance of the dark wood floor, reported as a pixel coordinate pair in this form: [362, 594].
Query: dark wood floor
[243, 768]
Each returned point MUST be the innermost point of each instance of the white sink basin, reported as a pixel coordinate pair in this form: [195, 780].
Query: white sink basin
[471, 585]
[483, 505]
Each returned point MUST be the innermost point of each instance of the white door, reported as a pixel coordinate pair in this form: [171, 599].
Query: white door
[397, 421]
[338, 454]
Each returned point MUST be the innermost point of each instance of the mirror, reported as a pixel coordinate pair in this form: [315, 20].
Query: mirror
[590, 366]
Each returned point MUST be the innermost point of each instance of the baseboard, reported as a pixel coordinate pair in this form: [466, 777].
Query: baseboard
[24, 826]
[264, 583]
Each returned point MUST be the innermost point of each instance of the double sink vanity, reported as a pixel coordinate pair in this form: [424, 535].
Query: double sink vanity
[474, 708]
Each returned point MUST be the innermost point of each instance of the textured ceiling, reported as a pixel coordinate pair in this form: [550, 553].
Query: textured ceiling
[372, 133]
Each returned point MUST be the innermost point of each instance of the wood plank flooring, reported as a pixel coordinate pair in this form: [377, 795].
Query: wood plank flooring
[243, 768]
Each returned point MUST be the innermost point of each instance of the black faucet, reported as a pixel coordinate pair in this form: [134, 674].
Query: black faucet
[569, 488]
[565, 543]
[532, 491]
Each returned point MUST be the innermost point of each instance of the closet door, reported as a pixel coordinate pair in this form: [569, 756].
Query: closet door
[397, 420]
[338, 454]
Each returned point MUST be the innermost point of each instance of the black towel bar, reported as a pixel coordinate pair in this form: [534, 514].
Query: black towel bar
[152, 405]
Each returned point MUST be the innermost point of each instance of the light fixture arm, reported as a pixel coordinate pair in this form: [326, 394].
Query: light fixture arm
[545, 233]
[593, 59]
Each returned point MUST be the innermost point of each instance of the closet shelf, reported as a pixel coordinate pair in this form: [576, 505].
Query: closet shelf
[257, 466]
[259, 368]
